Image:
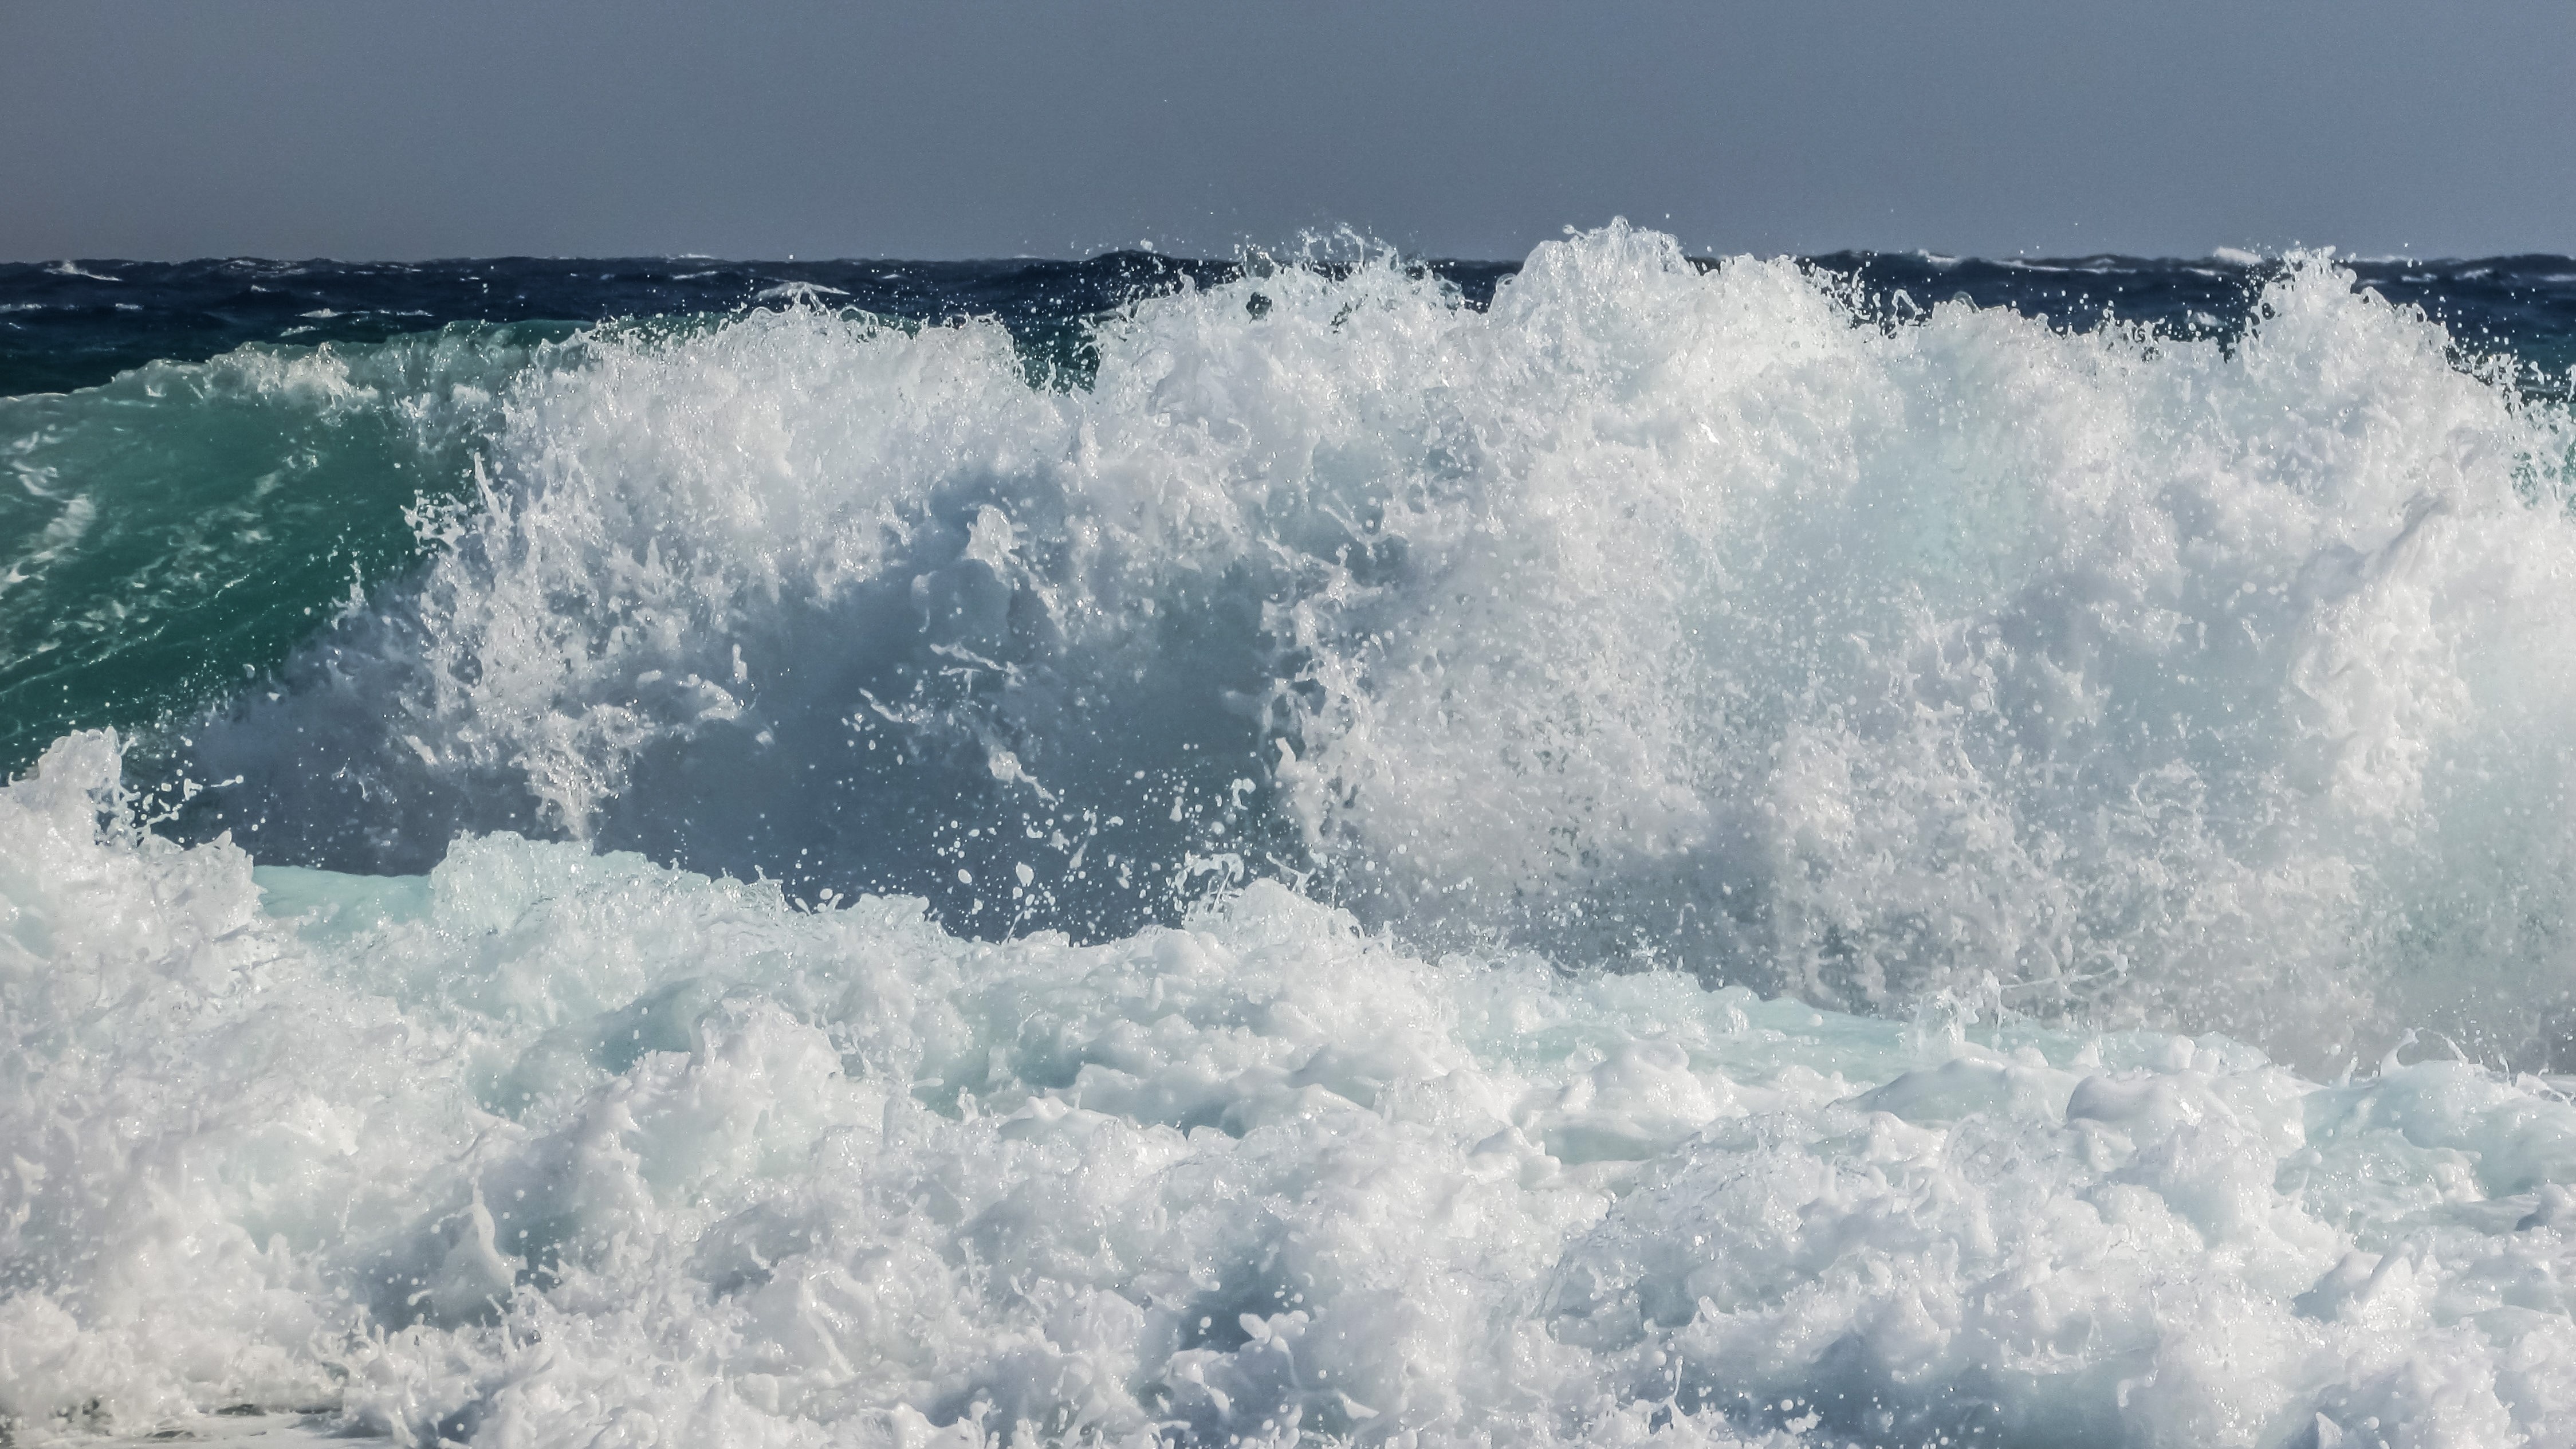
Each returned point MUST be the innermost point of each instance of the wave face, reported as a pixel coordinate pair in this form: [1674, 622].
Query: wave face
[1661, 851]
[186, 524]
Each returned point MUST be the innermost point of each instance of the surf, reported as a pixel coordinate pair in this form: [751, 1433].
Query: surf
[1712, 853]
[1646, 614]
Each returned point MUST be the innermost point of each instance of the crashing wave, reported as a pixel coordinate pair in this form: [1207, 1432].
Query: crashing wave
[1678, 857]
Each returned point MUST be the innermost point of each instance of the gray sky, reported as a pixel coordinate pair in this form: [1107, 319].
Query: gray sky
[428, 128]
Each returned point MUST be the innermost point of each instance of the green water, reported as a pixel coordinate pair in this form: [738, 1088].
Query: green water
[175, 532]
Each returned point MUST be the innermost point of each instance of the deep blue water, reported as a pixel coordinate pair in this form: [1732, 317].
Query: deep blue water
[74, 324]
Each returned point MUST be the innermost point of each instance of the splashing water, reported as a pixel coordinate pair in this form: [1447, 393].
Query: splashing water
[1687, 855]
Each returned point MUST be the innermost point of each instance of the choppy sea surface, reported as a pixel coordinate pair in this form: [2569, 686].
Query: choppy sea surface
[1618, 849]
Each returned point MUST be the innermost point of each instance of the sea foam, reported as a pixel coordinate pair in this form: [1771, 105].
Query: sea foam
[551, 1145]
[1684, 857]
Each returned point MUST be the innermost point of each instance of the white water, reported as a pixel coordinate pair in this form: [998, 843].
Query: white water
[2035, 695]
[1648, 614]
[551, 1146]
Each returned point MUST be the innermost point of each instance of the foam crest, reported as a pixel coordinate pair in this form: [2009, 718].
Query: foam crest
[2154, 677]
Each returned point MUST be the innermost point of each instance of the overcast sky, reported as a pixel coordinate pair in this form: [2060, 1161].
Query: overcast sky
[356, 129]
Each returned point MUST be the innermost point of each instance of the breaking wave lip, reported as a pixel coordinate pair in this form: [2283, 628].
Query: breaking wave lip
[1678, 858]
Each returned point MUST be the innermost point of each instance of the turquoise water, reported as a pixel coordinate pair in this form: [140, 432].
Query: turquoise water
[177, 531]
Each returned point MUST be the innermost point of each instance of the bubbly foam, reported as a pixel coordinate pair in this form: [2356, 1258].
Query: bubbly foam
[551, 1144]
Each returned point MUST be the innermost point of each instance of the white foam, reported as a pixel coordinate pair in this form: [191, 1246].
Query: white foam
[2055, 700]
[550, 1145]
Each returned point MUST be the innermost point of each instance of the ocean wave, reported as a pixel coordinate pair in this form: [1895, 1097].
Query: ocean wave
[225, 509]
[1685, 855]
[1647, 614]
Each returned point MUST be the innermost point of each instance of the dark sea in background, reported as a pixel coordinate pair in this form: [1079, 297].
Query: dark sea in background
[1623, 848]
[76, 324]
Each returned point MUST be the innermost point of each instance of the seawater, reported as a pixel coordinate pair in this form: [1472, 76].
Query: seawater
[1879, 851]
